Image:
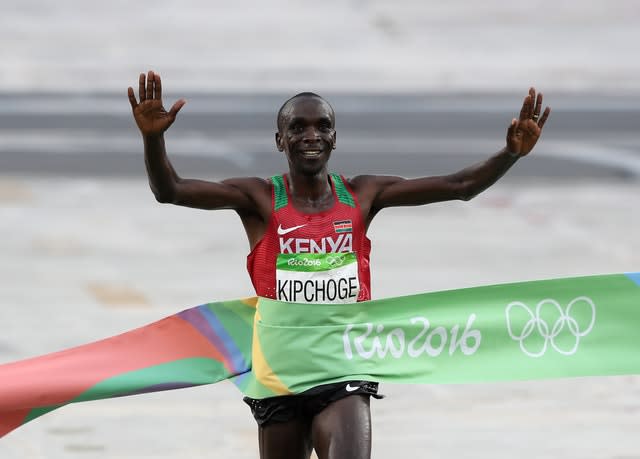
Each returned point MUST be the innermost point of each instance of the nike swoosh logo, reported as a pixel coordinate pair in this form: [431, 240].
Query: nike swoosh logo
[282, 231]
[350, 388]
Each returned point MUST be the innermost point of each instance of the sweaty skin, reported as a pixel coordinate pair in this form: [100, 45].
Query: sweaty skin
[307, 137]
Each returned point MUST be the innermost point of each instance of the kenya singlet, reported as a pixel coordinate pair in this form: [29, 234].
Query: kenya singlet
[313, 258]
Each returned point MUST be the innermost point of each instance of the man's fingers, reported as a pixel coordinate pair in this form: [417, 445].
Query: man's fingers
[158, 85]
[149, 85]
[544, 117]
[537, 108]
[176, 108]
[525, 112]
[532, 106]
[141, 93]
[132, 98]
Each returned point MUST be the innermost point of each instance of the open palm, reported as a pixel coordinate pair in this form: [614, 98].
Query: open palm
[523, 133]
[151, 117]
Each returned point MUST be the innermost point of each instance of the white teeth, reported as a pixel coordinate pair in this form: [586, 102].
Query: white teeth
[310, 153]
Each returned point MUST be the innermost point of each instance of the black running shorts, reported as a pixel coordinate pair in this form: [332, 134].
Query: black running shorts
[307, 404]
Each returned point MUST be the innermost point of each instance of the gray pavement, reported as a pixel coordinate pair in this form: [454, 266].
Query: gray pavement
[85, 252]
[344, 45]
[85, 258]
[589, 136]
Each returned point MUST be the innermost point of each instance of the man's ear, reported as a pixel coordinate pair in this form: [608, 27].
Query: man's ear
[334, 139]
[279, 142]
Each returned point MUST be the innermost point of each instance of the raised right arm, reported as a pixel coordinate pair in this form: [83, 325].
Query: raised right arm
[242, 194]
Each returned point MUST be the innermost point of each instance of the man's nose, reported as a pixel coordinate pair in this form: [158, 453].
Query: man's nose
[310, 134]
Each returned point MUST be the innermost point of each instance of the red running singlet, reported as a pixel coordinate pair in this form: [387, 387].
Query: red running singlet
[313, 258]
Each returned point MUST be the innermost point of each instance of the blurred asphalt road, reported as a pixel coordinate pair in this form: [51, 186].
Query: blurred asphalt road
[339, 45]
[85, 258]
[588, 136]
[420, 87]
[88, 253]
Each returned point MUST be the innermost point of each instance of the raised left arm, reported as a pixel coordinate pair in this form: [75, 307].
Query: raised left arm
[378, 192]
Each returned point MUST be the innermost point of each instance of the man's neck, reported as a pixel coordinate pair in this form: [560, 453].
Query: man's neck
[310, 188]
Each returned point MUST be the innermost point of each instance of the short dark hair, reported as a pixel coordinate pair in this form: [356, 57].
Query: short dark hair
[291, 99]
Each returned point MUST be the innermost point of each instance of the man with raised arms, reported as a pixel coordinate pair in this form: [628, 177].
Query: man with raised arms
[307, 236]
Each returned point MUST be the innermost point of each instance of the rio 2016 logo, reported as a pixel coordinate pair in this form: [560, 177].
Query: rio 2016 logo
[569, 325]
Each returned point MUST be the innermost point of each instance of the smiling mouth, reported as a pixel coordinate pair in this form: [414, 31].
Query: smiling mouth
[310, 153]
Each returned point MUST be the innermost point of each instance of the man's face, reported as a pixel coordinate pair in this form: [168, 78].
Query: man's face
[306, 134]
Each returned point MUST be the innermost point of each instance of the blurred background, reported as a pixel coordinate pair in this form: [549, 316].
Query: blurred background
[419, 88]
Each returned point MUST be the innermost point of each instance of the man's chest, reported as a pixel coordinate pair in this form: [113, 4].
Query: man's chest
[316, 261]
[320, 235]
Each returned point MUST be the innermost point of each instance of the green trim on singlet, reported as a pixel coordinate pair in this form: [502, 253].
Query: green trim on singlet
[281, 199]
[280, 192]
[341, 191]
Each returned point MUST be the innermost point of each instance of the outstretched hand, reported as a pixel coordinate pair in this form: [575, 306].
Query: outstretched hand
[151, 117]
[523, 133]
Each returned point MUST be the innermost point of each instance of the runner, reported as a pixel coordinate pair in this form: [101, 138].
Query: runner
[307, 236]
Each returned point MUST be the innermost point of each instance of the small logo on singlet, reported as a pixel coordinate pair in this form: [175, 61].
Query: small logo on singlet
[343, 226]
[282, 231]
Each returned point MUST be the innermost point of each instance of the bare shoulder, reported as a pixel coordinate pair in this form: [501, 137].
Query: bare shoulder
[373, 180]
[257, 192]
[256, 189]
[249, 185]
[367, 188]
[371, 184]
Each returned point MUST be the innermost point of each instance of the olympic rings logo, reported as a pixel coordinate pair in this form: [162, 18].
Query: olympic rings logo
[551, 334]
[335, 261]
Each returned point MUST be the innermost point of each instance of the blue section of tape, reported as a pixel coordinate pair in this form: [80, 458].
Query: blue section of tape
[635, 277]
